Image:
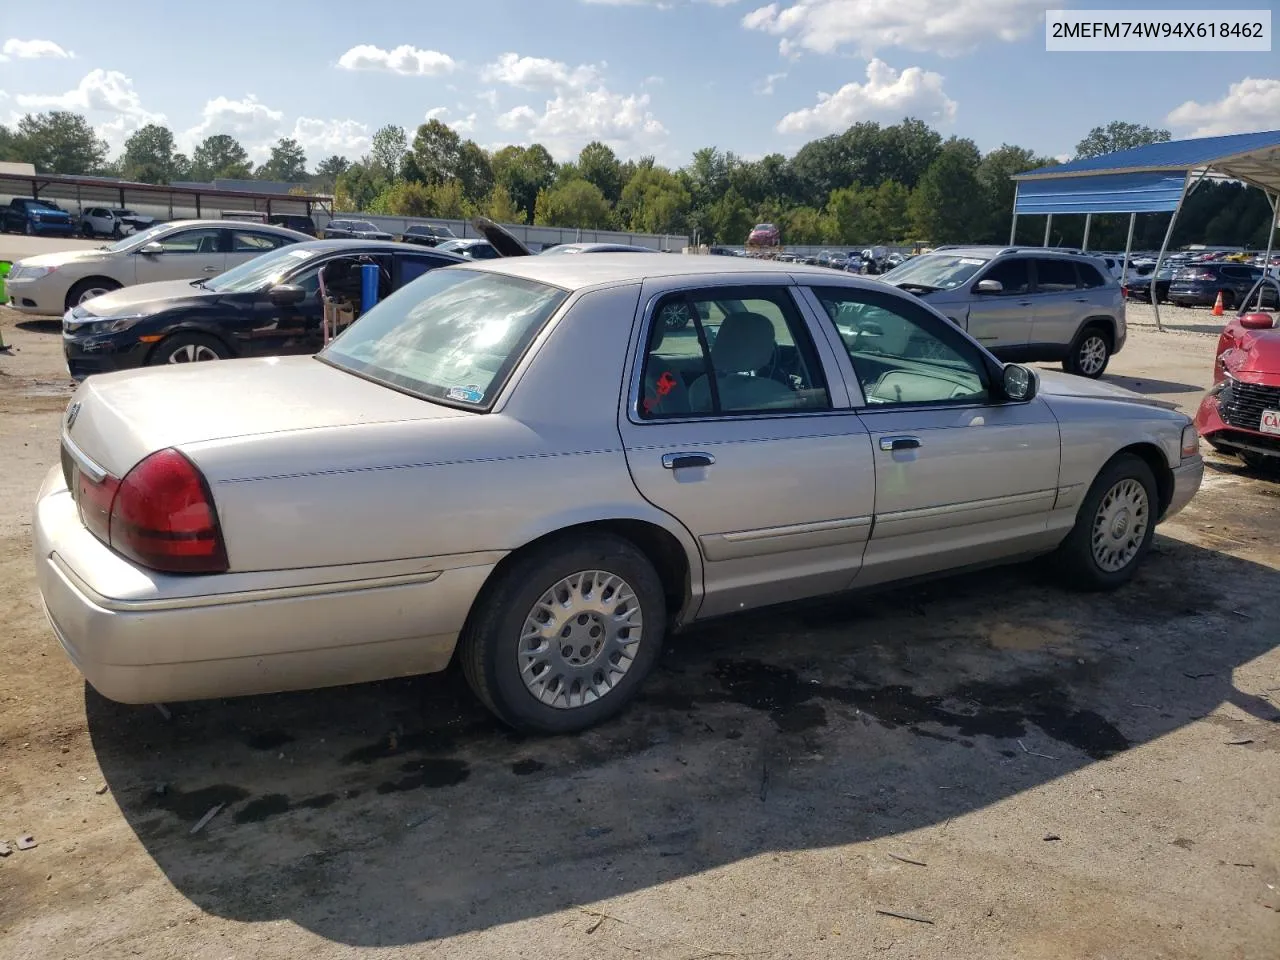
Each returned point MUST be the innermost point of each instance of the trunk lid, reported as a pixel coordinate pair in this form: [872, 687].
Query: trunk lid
[117, 419]
[499, 238]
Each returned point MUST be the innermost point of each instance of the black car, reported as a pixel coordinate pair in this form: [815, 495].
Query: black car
[1198, 284]
[294, 221]
[426, 235]
[269, 306]
[1138, 287]
[354, 230]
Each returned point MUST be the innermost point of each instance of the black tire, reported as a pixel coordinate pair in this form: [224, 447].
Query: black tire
[1083, 356]
[1228, 300]
[196, 346]
[490, 644]
[78, 290]
[1075, 556]
[86, 231]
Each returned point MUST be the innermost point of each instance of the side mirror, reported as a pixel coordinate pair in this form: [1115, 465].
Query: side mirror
[286, 294]
[151, 249]
[1257, 321]
[1019, 383]
[989, 286]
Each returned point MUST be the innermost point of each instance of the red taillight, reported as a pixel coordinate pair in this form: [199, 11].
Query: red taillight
[162, 516]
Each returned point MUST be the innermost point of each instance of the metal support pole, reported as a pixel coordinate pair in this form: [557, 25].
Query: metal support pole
[1128, 246]
[1047, 224]
[198, 215]
[1271, 235]
[1187, 187]
[1088, 222]
[1013, 227]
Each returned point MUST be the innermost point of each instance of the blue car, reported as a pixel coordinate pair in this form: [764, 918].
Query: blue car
[36, 217]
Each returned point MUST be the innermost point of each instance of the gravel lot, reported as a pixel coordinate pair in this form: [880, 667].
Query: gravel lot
[983, 767]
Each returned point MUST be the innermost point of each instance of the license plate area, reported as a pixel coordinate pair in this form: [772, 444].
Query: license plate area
[1270, 422]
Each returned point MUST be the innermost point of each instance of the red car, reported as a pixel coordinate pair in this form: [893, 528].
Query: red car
[764, 235]
[1241, 412]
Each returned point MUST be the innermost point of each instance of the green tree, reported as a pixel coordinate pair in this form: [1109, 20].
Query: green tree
[707, 176]
[599, 165]
[1118, 135]
[218, 156]
[449, 202]
[805, 225]
[573, 204]
[906, 151]
[287, 163]
[729, 219]
[891, 206]
[994, 175]
[819, 167]
[852, 216]
[8, 144]
[437, 149]
[150, 157]
[60, 142]
[474, 171]
[947, 205]
[404, 199]
[654, 201]
[357, 187]
[523, 171]
[327, 172]
[388, 150]
[499, 206]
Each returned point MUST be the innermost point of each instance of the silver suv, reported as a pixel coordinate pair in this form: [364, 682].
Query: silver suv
[1024, 303]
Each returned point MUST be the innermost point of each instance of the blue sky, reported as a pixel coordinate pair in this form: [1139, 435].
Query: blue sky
[660, 77]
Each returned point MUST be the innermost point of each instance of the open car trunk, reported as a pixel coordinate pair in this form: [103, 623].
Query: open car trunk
[499, 238]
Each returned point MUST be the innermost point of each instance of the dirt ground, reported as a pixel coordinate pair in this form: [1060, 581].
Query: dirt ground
[984, 767]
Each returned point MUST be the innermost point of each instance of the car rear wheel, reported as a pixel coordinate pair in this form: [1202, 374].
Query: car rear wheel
[88, 289]
[1089, 354]
[188, 348]
[1114, 527]
[563, 638]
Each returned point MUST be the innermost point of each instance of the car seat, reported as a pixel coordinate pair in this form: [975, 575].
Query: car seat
[744, 345]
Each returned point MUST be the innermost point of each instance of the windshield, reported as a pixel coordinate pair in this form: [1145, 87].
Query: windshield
[451, 335]
[938, 271]
[363, 225]
[260, 272]
[137, 239]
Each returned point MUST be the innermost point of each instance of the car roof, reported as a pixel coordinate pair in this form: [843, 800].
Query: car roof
[605, 269]
[234, 225]
[372, 246]
[991, 251]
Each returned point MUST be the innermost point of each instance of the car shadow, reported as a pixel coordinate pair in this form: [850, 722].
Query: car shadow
[1149, 385]
[49, 325]
[399, 812]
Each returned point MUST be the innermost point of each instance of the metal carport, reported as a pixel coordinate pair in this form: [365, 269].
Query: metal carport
[1156, 178]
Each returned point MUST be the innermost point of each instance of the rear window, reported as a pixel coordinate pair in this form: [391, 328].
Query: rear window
[452, 335]
[1089, 276]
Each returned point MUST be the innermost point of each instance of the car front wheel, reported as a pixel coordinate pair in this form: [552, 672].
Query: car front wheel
[1089, 354]
[1114, 527]
[188, 348]
[564, 637]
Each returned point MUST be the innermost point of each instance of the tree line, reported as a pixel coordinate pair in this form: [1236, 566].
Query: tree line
[872, 183]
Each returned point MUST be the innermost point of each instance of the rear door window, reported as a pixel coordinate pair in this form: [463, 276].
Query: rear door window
[1012, 274]
[1089, 276]
[1054, 275]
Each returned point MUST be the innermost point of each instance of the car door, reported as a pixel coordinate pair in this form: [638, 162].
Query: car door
[191, 253]
[961, 477]
[1002, 320]
[761, 460]
[247, 244]
[1059, 303]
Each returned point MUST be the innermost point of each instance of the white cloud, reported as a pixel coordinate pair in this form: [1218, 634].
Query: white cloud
[888, 94]
[250, 121]
[576, 117]
[404, 59]
[34, 50]
[101, 95]
[767, 84]
[946, 27]
[538, 73]
[437, 113]
[466, 125]
[653, 81]
[490, 97]
[326, 137]
[1251, 104]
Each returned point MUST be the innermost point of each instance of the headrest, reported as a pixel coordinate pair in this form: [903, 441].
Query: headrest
[744, 342]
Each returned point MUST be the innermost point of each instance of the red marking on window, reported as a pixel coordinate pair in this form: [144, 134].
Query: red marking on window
[666, 383]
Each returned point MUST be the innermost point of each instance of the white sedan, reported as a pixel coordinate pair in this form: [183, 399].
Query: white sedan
[528, 465]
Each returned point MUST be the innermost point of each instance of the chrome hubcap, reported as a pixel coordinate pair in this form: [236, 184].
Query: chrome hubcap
[580, 639]
[91, 293]
[1120, 525]
[1093, 354]
[192, 353]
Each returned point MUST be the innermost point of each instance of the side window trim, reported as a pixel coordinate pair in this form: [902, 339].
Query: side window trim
[836, 382]
[932, 323]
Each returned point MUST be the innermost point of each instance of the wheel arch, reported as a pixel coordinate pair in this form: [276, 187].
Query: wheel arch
[1154, 457]
[112, 282]
[1106, 323]
[177, 331]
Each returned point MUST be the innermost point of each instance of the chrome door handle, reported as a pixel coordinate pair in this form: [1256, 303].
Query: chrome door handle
[210, 269]
[1081, 299]
[674, 461]
[899, 443]
[1025, 303]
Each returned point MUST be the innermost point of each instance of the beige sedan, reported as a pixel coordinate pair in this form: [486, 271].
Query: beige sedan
[541, 465]
[52, 283]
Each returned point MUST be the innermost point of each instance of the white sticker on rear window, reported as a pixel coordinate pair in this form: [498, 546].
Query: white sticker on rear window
[300, 254]
[971, 262]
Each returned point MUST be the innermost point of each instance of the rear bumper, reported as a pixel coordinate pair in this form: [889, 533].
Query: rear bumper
[1196, 294]
[158, 640]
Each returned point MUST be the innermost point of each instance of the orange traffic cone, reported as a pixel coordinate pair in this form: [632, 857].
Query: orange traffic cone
[1217, 305]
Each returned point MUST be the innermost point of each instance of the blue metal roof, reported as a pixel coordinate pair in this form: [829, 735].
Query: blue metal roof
[1113, 193]
[1171, 155]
